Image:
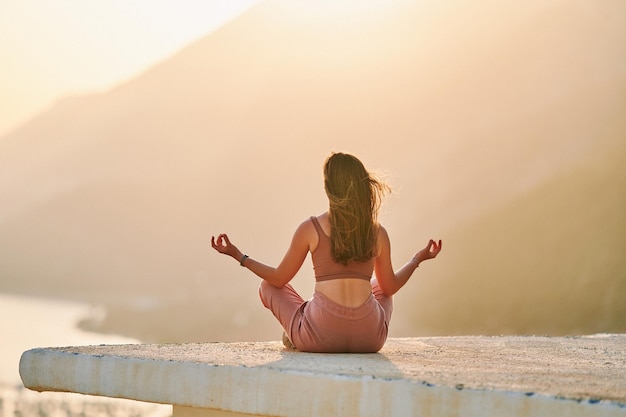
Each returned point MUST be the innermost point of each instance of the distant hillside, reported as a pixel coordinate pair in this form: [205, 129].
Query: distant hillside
[550, 262]
[481, 112]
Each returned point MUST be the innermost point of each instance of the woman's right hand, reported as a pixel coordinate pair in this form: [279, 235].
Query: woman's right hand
[222, 245]
[431, 251]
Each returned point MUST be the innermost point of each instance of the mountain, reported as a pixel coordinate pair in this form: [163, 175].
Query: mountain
[548, 262]
[479, 114]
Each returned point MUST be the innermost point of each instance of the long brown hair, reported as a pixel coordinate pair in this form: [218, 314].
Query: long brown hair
[354, 197]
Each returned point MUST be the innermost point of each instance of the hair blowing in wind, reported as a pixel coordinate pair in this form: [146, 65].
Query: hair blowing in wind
[354, 197]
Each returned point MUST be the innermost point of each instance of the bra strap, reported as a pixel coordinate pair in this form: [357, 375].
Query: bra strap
[318, 227]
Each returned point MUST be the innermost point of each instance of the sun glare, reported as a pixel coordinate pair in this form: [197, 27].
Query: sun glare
[50, 50]
[338, 9]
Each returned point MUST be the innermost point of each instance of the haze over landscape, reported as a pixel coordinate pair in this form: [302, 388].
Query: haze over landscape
[500, 128]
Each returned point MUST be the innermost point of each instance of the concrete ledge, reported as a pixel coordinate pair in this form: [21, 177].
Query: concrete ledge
[469, 376]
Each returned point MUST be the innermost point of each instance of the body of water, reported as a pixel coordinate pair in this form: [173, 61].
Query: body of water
[30, 322]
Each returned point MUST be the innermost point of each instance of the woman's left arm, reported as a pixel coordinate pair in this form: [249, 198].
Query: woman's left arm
[278, 276]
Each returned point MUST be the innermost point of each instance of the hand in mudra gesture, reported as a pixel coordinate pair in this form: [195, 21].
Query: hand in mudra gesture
[431, 251]
[222, 245]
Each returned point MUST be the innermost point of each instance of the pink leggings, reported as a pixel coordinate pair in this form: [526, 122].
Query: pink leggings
[321, 325]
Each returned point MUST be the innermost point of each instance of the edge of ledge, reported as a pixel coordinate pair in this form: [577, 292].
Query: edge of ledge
[195, 375]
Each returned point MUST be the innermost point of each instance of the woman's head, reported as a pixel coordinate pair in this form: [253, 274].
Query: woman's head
[354, 197]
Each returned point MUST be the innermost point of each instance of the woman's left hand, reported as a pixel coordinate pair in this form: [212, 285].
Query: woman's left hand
[431, 251]
[222, 245]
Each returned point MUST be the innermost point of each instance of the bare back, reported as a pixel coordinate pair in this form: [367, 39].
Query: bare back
[349, 292]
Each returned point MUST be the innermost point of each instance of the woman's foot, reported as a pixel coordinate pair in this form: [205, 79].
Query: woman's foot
[287, 342]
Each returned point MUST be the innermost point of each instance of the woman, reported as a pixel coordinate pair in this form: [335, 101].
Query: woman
[350, 311]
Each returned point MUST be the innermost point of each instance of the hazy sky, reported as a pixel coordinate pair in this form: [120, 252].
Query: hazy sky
[55, 48]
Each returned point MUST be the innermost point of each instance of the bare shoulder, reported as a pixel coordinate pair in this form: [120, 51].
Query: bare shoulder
[382, 232]
[383, 239]
[306, 234]
[306, 226]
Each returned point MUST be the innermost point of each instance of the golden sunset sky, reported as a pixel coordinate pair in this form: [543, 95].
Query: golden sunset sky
[51, 49]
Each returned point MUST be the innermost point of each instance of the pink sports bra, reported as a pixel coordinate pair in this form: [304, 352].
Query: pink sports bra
[327, 269]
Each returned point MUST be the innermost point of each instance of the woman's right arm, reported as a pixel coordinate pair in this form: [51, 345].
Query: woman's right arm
[292, 261]
[391, 281]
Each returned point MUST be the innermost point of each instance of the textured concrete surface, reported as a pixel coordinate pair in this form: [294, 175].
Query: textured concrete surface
[517, 375]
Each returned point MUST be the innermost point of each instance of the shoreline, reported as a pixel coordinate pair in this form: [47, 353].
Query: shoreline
[20, 401]
[30, 321]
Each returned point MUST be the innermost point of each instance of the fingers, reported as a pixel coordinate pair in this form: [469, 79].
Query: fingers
[218, 244]
[435, 247]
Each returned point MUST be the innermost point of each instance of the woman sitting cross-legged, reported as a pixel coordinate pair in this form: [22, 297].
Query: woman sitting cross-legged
[350, 310]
